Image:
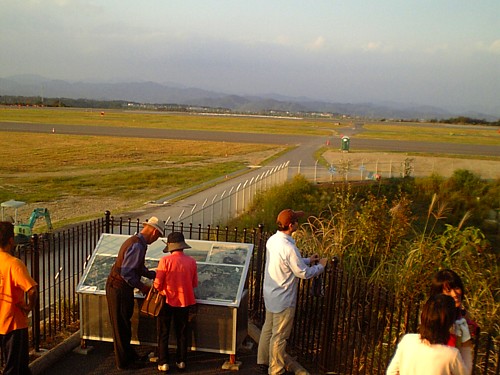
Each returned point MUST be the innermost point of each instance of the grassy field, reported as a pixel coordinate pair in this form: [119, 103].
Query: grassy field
[432, 133]
[316, 127]
[79, 177]
[168, 121]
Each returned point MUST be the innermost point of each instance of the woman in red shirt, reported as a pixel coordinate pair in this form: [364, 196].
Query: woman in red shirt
[176, 278]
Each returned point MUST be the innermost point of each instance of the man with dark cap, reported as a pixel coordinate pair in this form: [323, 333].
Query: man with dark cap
[176, 278]
[126, 275]
[284, 266]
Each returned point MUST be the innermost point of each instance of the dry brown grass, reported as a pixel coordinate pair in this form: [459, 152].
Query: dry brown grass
[79, 177]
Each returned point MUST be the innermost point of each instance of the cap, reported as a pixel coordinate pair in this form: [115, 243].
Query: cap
[155, 223]
[175, 241]
[288, 216]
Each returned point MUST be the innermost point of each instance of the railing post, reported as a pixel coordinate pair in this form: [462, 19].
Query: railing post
[35, 314]
[107, 221]
[259, 270]
[330, 293]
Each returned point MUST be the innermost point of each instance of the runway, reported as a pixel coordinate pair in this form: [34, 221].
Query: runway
[307, 142]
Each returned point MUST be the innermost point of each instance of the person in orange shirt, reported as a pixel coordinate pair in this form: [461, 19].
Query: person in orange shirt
[15, 282]
[176, 278]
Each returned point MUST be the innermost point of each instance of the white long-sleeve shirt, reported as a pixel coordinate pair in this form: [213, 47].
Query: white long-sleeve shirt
[284, 265]
[416, 357]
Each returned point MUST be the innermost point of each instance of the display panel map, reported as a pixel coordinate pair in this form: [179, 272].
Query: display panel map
[222, 267]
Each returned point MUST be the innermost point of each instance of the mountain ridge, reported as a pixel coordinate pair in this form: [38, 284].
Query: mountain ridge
[157, 93]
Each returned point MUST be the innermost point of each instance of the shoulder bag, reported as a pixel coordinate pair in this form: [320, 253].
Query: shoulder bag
[153, 303]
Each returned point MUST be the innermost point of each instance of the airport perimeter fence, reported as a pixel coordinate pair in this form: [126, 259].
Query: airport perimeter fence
[234, 201]
[375, 169]
[343, 325]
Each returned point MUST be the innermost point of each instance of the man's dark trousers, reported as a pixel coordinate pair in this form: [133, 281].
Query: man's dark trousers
[121, 308]
[15, 346]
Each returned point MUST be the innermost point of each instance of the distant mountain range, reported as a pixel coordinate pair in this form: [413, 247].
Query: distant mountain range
[155, 93]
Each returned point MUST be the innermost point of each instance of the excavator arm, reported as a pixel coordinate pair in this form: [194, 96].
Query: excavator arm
[37, 214]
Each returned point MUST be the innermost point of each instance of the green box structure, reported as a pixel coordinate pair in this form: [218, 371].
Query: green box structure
[344, 146]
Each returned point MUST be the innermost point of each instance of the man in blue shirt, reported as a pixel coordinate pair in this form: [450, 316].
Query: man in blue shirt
[126, 275]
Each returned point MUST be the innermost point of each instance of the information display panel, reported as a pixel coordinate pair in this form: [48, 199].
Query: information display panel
[221, 319]
[222, 267]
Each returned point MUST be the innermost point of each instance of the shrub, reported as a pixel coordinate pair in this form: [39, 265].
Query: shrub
[375, 233]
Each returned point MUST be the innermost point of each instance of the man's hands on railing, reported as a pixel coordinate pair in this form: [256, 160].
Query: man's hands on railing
[315, 259]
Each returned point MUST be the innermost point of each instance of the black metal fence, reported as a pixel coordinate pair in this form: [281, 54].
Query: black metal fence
[342, 325]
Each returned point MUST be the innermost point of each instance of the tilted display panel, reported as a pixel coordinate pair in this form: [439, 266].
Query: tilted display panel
[222, 267]
[220, 323]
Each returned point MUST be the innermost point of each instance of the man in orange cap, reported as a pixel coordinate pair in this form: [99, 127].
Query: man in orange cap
[126, 275]
[284, 266]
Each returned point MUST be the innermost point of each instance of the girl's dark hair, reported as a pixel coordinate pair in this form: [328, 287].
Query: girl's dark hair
[6, 233]
[446, 279]
[438, 314]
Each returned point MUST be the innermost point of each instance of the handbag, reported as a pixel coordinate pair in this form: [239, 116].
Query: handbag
[153, 303]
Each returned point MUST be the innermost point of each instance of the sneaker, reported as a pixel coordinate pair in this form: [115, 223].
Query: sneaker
[181, 365]
[163, 367]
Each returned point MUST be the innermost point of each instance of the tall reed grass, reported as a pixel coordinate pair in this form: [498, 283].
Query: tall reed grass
[388, 237]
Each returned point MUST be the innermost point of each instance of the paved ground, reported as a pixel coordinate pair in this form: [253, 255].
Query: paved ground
[101, 361]
[67, 358]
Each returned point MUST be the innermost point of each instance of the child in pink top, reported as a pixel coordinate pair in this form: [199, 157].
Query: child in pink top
[464, 329]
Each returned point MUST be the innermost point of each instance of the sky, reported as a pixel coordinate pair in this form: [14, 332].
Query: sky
[444, 53]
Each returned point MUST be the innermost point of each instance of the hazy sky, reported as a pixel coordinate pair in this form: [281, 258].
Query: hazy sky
[438, 52]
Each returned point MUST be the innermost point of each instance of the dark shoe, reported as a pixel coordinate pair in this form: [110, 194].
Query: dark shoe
[263, 369]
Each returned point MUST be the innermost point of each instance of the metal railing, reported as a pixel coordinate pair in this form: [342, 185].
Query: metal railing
[342, 325]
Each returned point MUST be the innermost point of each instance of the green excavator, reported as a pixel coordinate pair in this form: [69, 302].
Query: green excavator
[24, 231]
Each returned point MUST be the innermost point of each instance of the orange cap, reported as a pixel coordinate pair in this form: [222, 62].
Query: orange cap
[288, 216]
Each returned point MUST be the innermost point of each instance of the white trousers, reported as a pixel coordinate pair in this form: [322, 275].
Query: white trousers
[272, 343]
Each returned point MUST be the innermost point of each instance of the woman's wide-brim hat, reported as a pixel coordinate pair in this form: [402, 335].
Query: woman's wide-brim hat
[175, 241]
